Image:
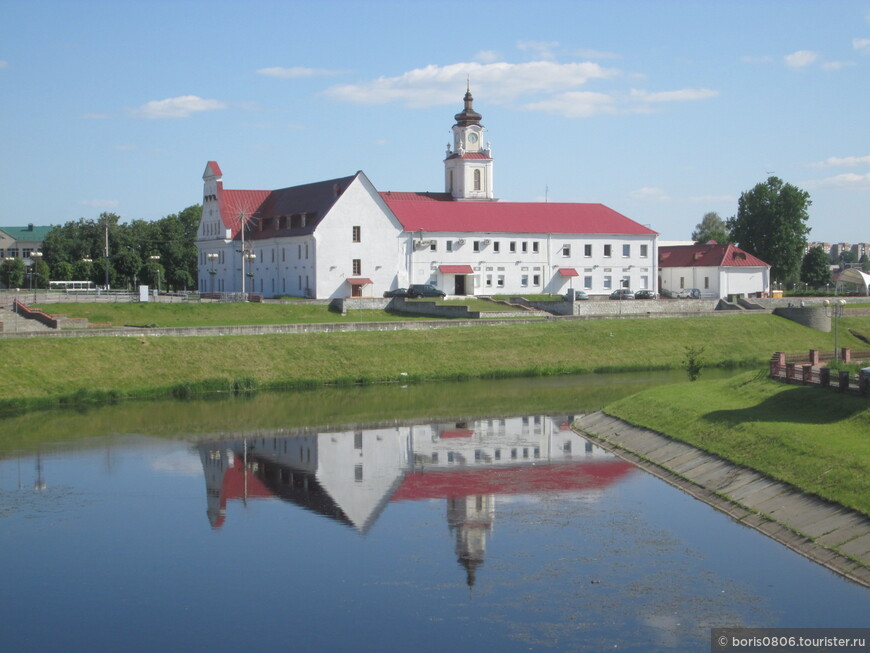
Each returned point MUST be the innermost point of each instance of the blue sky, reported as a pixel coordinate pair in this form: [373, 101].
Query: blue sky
[661, 110]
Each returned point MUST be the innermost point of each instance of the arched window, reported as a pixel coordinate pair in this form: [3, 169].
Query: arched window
[477, 180]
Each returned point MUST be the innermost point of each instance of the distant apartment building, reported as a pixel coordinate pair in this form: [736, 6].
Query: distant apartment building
[19, 242]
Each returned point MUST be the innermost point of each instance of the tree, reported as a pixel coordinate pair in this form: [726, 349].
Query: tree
[771, 223]
[12, 273]
[816, 268]
[865, 263]
[711, 227]
[693, 362]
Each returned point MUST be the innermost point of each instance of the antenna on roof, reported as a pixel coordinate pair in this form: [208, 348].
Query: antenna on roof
[546, 193]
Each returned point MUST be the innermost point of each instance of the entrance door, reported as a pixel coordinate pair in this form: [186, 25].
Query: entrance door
[356, 290]
[459, 285]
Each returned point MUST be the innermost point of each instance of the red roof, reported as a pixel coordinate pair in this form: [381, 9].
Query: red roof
[708, 255]
[469, 155]
[526, 479]
[568, 272]
[456, 269]
[359, 281]
[438, 212]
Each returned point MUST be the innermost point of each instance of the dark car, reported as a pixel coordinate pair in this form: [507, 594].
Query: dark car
[424, 290]
[622, 293]
[398, 292]
[644, 294]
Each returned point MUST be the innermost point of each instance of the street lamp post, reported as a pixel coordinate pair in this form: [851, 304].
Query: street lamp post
[250, 257]
[34, 258]
[834, 310]
[156, 260]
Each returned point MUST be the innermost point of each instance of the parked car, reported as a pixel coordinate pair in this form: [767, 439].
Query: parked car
[622, 293]
[424, 290]
[644, 294]
[398, 292]
[688, 293]
[580, 295]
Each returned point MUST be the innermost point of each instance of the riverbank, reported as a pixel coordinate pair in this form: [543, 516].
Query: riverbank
[42, 372]
[827, 533]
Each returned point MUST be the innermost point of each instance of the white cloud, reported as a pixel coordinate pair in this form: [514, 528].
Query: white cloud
[681, 95]
[861, 45]
[487, 56]
[540, 49]
[840, 161]
[100, 204]
[297, 72]
[801, 58]
[177, 107]
[499, 82]
[837, 65]
[576, 104]
[846, 180]
[649, 193]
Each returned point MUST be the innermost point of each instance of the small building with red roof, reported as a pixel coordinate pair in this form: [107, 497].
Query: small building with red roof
[716, 270]
[342, 237]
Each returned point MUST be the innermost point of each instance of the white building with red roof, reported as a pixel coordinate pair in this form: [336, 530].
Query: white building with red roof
[342, 237]
[716, 270]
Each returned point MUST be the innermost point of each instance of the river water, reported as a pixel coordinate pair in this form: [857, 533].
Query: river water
[462, 517]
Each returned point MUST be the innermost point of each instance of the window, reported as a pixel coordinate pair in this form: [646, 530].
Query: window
[524, 281]
[607, 249]
[626, 282]
[587, 250]
[489, 281]
[500, 281]
[449, 245]
[512, 248]
[626, 251]
[706, 283]
[433, 246]
[535, 248]
[536, 279]
[496, 247]
[525, 247]
[566, 251]
[587, 282]
[682, 282]
[608, 282]
[357, 266]
[476, 246]
[644, 282]
[644, 251]
[477, 180]
[356, 234]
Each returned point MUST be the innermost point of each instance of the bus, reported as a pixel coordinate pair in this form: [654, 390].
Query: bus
[72, 286]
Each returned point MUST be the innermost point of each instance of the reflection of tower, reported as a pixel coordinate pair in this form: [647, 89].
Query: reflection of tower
[471, 518]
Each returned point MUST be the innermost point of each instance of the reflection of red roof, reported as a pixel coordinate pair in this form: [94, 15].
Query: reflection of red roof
[457, 433]
[233, 486]
[527, 479]
[710, 254]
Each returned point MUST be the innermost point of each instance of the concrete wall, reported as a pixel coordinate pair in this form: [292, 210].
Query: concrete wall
[813, 317]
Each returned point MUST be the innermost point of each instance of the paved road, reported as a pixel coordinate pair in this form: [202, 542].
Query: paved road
[824, 532]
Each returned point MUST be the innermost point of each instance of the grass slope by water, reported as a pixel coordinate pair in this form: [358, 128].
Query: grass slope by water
[812, 438]
[39, 371]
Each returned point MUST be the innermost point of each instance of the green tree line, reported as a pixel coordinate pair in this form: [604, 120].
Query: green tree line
[140, 252]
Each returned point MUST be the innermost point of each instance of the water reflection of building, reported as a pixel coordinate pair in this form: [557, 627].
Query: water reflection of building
[351, 476]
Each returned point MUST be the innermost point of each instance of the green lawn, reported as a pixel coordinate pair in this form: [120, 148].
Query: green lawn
[814, 439]
[50, 368]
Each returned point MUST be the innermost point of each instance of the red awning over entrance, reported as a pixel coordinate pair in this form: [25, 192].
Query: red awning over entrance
[568, 272]
[456, 269]
[359, 281]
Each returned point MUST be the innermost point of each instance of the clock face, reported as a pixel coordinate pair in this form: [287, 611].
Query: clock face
[472, 137]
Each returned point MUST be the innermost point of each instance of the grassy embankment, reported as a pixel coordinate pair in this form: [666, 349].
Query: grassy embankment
[814, 439]
[44, 372]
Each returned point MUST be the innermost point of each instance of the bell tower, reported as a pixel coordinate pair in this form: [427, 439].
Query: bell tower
[468, 162]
